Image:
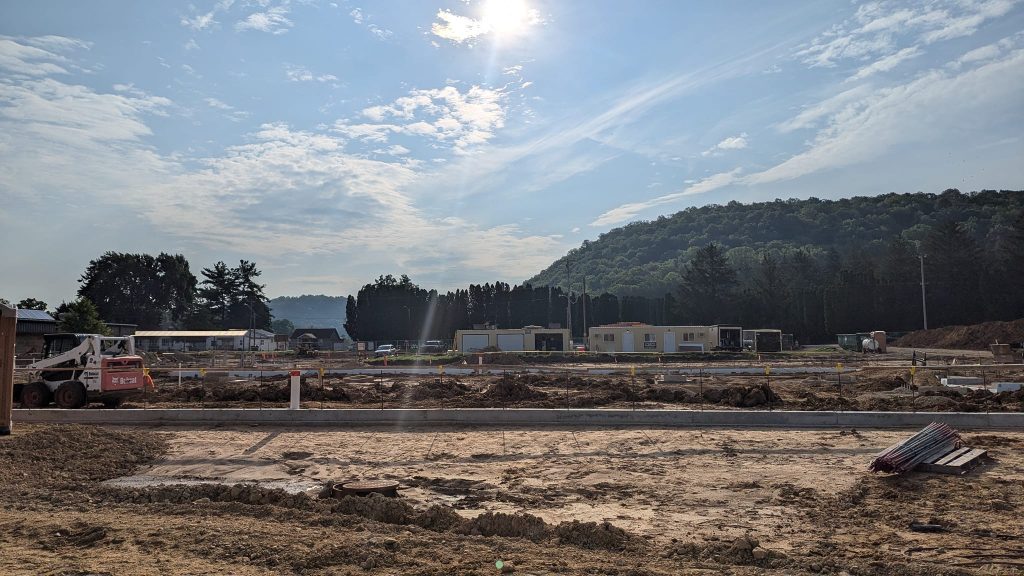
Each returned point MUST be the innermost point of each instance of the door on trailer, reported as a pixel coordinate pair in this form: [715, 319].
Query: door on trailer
[627, 341]
[473, 342]
[670, 341]
[510, 342]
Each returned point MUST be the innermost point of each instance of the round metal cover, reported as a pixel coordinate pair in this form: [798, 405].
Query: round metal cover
[370, 485]
[363, 487]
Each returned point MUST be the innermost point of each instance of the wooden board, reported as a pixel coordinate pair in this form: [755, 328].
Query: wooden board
[956, 462]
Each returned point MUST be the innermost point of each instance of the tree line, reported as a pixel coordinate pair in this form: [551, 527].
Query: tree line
[155, 292]
[813, 296]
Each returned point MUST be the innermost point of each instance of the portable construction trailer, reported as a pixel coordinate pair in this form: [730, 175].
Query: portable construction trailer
[636, 337]
[726, 337]
[529, 338]
[763, 340]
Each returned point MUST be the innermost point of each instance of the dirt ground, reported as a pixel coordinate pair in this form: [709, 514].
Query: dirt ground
[86, 500]
[864, 389]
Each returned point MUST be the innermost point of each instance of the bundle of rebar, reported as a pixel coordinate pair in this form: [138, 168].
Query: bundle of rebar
[933, 441]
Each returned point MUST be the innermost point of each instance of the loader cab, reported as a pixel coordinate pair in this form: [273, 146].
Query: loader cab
[57, 344]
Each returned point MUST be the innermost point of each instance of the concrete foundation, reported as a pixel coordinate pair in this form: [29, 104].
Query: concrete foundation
[496, 417]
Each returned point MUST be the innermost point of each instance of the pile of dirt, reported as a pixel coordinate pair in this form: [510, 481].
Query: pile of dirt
[64, 457]
[513, 389]
[742, 396]
[973, 337]
[446, 388]
[592, 535]
[509, 525]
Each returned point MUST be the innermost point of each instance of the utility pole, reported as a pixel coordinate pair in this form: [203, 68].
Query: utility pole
[585, 310]
[568, 301]
[924, 305]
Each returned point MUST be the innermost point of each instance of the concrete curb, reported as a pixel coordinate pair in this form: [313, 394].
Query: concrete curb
[496, 417]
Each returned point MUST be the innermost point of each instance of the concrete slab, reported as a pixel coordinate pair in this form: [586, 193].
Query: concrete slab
[496, 417]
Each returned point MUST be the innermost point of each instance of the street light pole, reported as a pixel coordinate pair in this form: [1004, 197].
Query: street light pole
[924, 305]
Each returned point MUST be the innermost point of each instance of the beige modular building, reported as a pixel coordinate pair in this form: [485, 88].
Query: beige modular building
[638, 337]
[530, 338]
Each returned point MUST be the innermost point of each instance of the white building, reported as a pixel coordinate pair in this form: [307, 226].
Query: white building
[639, 337]
[199, 340]
[530, 338]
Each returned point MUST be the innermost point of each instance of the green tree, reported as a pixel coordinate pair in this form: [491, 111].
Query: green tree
[234, 297]
[139, 288]
[282, 326]
[80, 316]
[31, 304]
[706, 294]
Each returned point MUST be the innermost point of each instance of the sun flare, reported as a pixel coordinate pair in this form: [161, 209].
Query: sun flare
[508, 17]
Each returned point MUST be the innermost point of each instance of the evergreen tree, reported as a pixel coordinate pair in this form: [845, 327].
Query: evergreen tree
[707, 292]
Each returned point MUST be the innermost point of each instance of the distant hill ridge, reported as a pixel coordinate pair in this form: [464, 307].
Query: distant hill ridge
[311, 311]
[646, 257]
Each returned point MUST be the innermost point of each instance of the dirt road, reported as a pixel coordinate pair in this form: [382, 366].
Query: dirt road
[645, 502]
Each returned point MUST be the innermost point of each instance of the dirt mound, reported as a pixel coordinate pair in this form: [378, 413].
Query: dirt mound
[511, 525]
[973, 337]
[66, 456]
[512, 389]
[438, 388]
[592, 535]
[742, 396]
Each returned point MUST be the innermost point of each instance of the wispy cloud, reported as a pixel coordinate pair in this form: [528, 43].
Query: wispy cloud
[462, 120]
[514, 17]
[456, 28]
[204, 21]
[865, 124]
[884, 28]
[303, 74]
[730, 143]
[362, 19]
[274, 21]
[627, 212]
[57, 137]
[887, 63]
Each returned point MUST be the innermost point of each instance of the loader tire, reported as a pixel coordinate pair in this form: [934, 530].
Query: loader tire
[70, 395]
[35, 395]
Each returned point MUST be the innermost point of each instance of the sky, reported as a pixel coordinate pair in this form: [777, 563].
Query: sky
[470, 140]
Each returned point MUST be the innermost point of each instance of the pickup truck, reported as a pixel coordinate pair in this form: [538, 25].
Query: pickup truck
[432, 347]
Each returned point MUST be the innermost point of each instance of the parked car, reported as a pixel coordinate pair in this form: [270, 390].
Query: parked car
[385, 350]
[580, 348]
[432, 347]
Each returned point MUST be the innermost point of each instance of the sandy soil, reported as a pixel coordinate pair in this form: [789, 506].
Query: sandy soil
[864, 389]
[78, 500]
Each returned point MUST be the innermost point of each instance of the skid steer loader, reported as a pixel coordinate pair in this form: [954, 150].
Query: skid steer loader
[77, 369]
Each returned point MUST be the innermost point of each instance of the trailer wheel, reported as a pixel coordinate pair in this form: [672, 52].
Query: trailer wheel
[70, 394]
[35, 395]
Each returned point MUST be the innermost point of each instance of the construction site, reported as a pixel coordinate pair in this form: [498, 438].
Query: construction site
[818, 462]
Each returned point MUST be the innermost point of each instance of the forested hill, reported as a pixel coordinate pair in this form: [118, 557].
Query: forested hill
[647, 258]
[311, 311]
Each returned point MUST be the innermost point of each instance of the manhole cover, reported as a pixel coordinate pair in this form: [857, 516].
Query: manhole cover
[364, 487]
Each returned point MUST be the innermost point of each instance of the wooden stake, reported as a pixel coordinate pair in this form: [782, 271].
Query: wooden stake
[8, 325]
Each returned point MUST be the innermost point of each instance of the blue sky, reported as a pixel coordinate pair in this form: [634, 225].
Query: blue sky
[469, 141]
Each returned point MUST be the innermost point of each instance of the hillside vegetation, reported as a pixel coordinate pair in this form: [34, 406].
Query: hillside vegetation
[648, 257]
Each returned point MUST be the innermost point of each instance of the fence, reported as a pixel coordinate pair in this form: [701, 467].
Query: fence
[632, 386]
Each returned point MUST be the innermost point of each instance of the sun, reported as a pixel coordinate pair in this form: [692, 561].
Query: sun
[507, 17]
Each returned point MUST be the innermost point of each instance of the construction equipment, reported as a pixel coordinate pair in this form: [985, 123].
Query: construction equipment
[875, 342]
[307, 346]
[80, 368]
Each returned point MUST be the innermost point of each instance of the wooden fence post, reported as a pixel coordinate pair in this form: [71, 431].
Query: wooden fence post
[8, 324]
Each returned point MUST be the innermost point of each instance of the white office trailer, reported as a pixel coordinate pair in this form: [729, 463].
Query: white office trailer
[639, 337]
[527, 339]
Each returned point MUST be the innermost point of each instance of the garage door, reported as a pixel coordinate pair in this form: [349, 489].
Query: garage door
[511, 342]
[471, 342]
